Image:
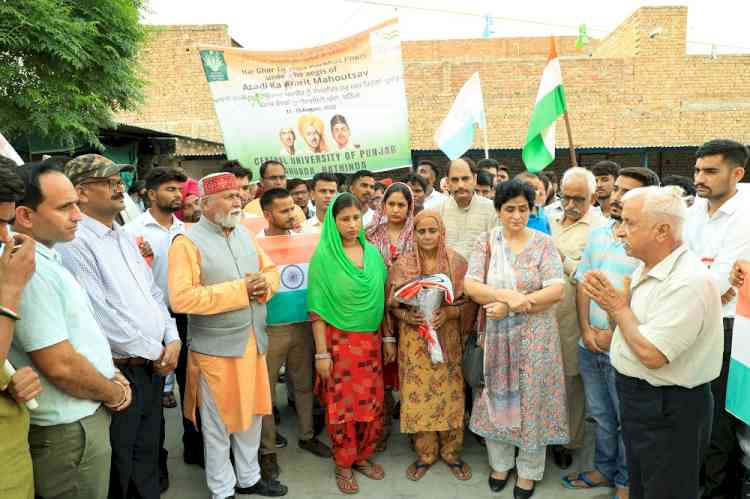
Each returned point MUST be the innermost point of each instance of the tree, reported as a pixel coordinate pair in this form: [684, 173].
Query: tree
[66, 65]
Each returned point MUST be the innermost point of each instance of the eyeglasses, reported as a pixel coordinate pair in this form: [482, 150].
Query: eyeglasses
[112, 185]
[578, 200]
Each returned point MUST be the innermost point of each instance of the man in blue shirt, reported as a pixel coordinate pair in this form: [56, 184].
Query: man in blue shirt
[606, 253]
[61, 339]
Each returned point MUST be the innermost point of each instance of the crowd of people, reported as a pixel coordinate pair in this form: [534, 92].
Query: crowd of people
[514, 307]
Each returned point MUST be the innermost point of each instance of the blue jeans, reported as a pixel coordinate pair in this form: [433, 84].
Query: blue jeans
[604, 407]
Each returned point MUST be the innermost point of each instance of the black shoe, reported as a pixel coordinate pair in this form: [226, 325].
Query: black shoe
[562, 457]
[267, 488]
[496, 485]
[745, 491]
[315, 446]
[194, 457]
[519, 493]
[163, 483]
[269, 467]
[281, 441]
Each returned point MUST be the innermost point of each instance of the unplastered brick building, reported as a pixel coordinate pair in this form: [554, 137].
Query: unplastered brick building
[635, 97]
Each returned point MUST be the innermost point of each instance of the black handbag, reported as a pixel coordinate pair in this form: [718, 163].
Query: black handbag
[472, 363]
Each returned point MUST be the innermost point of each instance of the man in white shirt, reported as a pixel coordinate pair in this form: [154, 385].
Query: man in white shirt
[465, 214]
[429, 171]
[324, 188]
[158, 226]
[666, 348]
[362, 185]
[718, 231]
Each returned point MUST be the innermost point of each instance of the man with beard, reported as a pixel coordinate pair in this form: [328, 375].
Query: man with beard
[131, 310]
[289, 344]
[570, 232]
[222, 279]
[466, 214]
[605, 173]
[717, 230]
[324, 188]
[429, 171]
[191, 202]
[158, 226]
[604, 252]
[362, 185]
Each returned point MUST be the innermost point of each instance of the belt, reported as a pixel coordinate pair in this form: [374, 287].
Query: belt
[131, 361]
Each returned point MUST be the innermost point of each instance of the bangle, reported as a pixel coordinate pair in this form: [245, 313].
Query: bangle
[6, 312]
[389, 339]
[124, 395]
[322, 356]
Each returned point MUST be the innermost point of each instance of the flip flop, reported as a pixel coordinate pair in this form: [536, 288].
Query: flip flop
[460, 470]
[567, 482]
[346, 484]
[370, 470]
[417, 470]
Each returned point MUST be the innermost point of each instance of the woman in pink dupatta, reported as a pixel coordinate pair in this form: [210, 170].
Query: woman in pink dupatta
[392, 232]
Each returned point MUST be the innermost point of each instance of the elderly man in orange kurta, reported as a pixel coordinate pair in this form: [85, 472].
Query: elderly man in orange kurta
[222, 280]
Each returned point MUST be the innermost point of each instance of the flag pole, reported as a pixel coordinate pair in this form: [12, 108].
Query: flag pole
[571, 147]
[486, 148]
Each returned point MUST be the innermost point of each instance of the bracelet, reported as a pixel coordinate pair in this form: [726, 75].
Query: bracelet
[322, 356]
[6, 312]
[124, 395]
[389, 339]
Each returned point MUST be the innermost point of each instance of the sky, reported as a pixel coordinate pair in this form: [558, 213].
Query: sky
[296, 24]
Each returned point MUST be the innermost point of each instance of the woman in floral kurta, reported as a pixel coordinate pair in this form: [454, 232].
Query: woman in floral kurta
[516, 273]
[432, 394]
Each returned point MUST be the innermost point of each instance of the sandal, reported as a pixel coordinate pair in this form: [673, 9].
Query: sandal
[417, 470]
[370, 470]
[584, 482]
[460, 470]
[346, 484]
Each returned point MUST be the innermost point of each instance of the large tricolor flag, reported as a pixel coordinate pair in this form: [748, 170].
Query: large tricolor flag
[456, 134]
[292, 255]
[7, 150]
[738, 385]
[539, 148]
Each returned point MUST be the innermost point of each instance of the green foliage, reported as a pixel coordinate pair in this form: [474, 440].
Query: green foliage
[66, 65]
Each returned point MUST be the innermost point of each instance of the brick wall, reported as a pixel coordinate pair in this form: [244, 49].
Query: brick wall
[632, 91]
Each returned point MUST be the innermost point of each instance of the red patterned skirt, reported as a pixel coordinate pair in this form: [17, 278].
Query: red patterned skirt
[354, 392]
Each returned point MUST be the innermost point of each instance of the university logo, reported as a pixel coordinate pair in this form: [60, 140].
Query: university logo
[214, 65]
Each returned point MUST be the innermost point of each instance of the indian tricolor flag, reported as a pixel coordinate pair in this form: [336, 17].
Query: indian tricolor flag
[291, 254]
[738, 386]
[539, 148]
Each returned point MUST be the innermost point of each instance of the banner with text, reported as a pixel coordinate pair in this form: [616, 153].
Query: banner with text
[336, 108]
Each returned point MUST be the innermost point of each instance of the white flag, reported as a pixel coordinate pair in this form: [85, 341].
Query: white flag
[7, 150]
[456, 134]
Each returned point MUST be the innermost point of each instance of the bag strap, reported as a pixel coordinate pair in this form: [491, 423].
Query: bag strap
[482, 321]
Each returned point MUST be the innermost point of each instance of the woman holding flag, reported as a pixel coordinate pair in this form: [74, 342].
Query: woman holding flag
[346, 300]
[432, 393]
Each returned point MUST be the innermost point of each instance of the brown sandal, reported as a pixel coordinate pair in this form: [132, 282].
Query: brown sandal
[417, 470]
[346, 484]
[460, 470]
[370, 470]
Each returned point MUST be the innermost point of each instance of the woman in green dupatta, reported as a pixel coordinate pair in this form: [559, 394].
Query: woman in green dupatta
[346, 297]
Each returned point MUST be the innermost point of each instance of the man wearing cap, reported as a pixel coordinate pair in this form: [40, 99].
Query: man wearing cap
[130, 308]
[222, 279]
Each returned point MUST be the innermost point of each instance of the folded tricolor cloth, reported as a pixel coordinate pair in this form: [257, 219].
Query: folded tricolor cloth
[427, 293]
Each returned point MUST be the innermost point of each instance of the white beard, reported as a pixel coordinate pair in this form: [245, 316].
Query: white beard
[230, 220]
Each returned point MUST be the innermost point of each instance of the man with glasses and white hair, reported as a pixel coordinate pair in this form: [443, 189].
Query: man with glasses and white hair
[570, 232]
[666, 349]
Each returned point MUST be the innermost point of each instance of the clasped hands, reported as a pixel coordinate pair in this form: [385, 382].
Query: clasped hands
[257, 285]
[510, 302]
